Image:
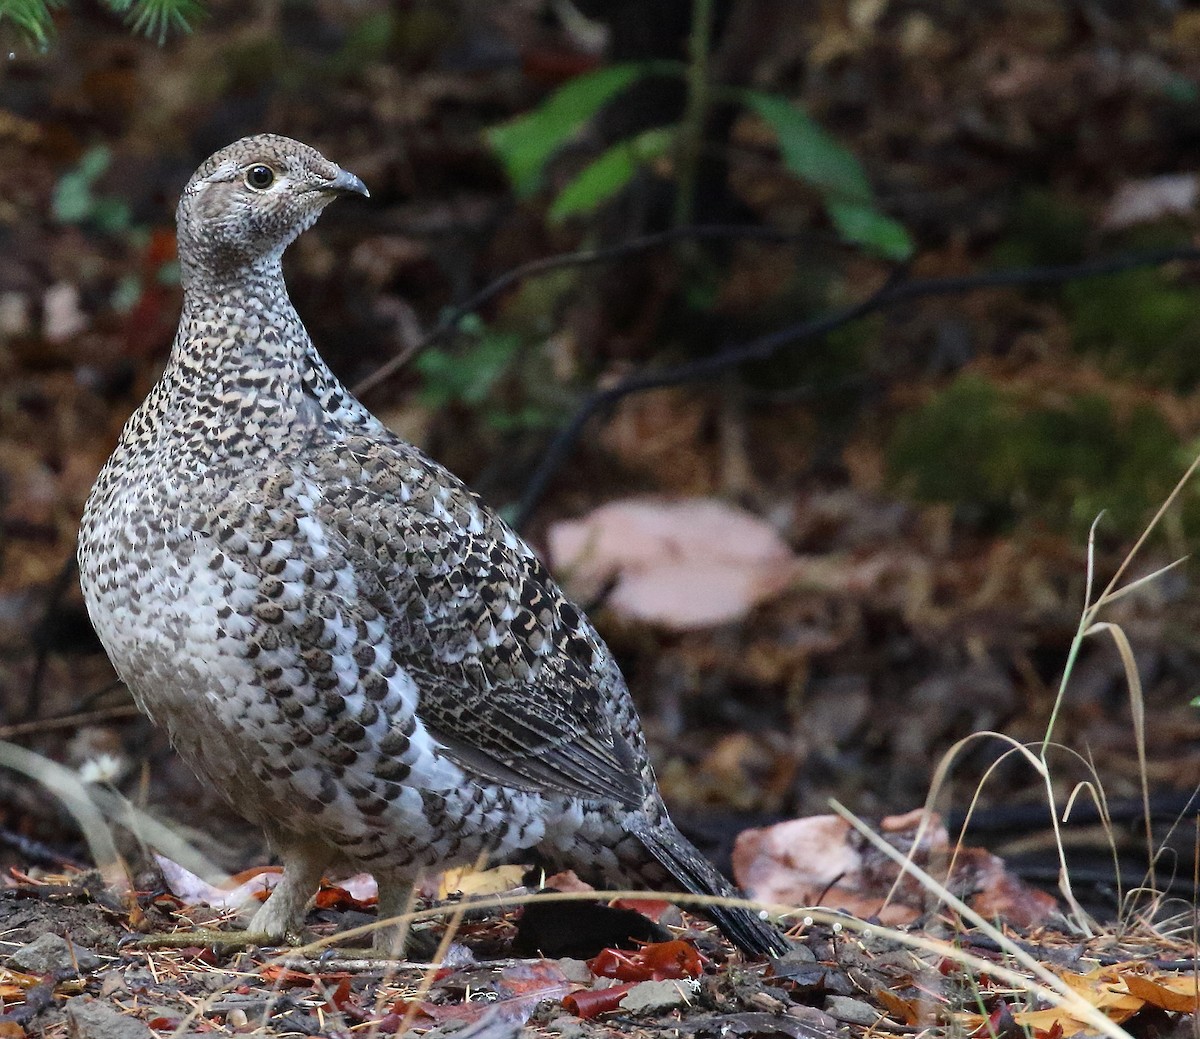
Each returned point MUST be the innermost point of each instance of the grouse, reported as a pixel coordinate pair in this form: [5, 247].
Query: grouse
[338, 635]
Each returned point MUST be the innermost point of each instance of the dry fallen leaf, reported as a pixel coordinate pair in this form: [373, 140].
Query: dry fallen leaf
[793, 862]
[1167, 991]
[1103, 988]
[1149, 199]
[683, 564]
[467, 881]
[822, 860]
[192, 890]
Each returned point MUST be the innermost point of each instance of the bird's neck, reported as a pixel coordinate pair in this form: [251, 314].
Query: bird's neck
[239, 323]
[243, 364]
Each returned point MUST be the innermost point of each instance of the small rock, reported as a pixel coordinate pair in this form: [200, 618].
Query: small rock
[765, 1001]
[813, 1016]
[111, 982]
[655, 995]
[91, 1020]
[248, 1003]
[851, 1011]
[794, 957]
[50, 954]
[575, 970]
[568, 1027]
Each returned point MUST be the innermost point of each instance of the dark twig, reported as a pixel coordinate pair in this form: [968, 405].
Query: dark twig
[69, 721]
[583, 258]
[892, 293]
[36, 852]
[1069, 956]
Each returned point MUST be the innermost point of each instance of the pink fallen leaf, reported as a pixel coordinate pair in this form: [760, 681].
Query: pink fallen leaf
[823, 860]
[360, 886]
[62, 316]
[192, 890]
[567, 880]
[683, 564]
[1151, 198]
[798, 862]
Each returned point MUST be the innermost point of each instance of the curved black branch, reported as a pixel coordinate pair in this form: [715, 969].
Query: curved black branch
[582, 258]
[764, 347]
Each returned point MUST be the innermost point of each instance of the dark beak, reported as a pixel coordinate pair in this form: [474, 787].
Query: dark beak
[348, 184]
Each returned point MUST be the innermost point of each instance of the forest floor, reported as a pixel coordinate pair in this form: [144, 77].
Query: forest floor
[911, 598]
[839, 981]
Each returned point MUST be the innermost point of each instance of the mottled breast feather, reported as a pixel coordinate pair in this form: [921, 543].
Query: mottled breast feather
[513, 681]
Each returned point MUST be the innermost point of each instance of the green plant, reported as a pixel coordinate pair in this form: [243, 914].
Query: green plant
[526, 145]
[75, 202]
[472, 376]
[977, 445]
[1042, 228]
[156, 18]
[1145, 322]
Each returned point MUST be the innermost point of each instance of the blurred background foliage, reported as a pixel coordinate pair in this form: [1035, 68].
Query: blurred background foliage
[699, 113]
[966, 440]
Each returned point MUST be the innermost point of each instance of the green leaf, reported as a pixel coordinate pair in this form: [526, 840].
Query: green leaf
[127, 293]
[31, 17]
[72, 201]
[866, 226]
[467, 377]
[94, 162]
[808, 151]
[526, 143]
[1181, 90]
[601, 179]
[156, 18]
[168, 274]
[111, 215]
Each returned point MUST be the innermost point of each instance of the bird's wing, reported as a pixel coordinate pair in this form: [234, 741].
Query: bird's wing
[514, 683]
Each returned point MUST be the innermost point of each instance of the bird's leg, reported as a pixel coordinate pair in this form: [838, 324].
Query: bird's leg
[395, 900]
[283, 912]
[280, 917]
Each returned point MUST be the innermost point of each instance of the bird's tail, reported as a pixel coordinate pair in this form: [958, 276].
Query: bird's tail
[679, 857]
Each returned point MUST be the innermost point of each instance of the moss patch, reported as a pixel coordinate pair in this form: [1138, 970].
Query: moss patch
[1006, 459]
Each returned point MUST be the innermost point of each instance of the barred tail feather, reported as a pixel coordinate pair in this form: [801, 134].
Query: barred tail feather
[696, 874]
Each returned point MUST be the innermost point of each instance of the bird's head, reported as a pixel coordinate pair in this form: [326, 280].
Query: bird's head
[250, 200]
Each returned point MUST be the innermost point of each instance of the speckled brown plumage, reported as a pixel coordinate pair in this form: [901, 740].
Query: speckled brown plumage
[339, 635]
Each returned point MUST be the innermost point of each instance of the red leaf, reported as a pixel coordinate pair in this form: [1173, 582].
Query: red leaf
[590, 1002]
[421, 1016]
[285, 977]
[333, 897]
[340, 997]
[659, 961]
[532, 977]
[999, 1023]
[649, 907]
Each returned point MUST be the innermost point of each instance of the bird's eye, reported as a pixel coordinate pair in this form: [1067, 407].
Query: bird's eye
[260, 177]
